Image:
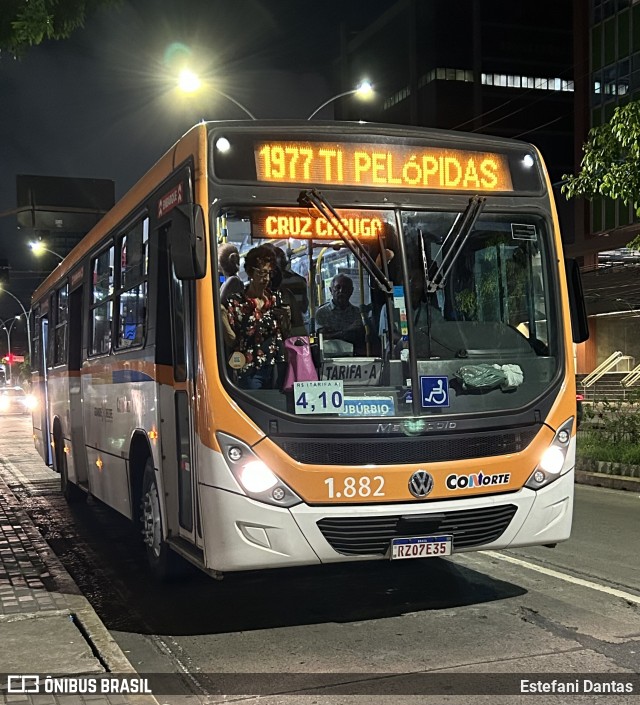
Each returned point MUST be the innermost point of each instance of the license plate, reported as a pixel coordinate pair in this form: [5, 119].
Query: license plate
[421, 547]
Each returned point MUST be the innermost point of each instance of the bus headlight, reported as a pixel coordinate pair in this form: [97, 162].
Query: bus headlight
[553, 458]
[256, 477]
[253, 475]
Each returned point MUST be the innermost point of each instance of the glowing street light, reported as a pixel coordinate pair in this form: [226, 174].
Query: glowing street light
[363, 90]
[37, 247]
[190, 82]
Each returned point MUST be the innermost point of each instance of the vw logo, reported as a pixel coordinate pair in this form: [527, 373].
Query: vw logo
[420, 483]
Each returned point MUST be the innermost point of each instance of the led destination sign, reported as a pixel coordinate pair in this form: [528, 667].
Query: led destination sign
[299, 223]
[381, 166]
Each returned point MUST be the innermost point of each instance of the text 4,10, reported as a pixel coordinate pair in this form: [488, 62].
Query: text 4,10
[322, 397]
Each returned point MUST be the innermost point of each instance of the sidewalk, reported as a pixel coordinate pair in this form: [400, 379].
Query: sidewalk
[47, 626]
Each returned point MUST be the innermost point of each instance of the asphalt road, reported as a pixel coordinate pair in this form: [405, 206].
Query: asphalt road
[573, 610]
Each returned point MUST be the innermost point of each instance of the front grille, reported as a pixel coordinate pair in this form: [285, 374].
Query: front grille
[394, 450]
[371, 535]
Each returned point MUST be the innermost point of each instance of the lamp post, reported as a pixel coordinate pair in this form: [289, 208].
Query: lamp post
[26, 317]
[38, 248]
[189, 82]
[364, 90]
[8, 332]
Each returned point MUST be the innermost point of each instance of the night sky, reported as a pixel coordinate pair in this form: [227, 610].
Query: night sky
[103, 105]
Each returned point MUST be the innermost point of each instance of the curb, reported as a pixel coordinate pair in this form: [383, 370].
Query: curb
[613, 482]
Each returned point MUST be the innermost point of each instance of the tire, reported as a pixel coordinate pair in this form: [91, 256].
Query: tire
[163, 562]
[70, 491]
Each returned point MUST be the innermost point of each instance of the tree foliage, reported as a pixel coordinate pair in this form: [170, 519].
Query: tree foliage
[610, 166]
[26, 23]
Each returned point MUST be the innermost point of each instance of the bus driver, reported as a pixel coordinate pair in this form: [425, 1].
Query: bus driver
[339, 318]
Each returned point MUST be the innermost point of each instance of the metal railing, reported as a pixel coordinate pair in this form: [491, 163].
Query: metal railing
[602, 368]
[632, 378]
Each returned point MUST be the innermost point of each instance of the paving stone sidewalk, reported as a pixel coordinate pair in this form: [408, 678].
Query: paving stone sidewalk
[46, 625]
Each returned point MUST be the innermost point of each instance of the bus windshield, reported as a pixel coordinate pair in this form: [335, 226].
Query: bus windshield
[469, 324]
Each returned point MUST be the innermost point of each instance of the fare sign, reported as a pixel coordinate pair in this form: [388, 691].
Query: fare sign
[382, 166]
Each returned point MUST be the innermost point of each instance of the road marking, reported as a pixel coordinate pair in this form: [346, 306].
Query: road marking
[564, 576]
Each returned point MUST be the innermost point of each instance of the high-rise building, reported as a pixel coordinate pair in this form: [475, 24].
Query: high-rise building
[607, 60]
[490, 66]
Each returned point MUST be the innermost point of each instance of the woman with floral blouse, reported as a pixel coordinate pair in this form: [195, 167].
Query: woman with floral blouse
[258, 321]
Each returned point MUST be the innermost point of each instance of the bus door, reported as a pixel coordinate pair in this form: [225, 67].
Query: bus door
[175, 349]
[183, 337]
[44, 381]
[75, 387]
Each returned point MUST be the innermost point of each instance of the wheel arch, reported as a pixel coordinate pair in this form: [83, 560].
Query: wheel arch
[57, 436]
[139, 452]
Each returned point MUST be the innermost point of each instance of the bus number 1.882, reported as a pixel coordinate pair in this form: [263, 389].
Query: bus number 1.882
[350, 487]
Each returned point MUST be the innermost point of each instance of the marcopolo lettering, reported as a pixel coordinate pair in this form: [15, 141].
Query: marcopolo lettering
[480, 479]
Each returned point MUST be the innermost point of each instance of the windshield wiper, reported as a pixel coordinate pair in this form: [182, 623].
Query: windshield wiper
[456, 237]
[314, 198]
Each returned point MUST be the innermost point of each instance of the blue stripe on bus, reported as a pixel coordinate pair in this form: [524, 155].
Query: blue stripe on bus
[130, 376]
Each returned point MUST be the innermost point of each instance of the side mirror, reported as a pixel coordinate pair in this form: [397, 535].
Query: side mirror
[579, 323]
[187, 241]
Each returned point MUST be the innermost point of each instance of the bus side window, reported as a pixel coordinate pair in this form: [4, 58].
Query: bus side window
[132, 285]
[101, 302]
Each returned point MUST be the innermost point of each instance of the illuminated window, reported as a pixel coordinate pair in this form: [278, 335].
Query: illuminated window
[131, 302]
[61, 309]
[102, 302]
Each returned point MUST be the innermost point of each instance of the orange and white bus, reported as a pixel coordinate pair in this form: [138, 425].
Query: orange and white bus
[450, 428]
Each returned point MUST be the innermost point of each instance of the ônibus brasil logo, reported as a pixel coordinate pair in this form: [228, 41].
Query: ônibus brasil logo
[480, 479]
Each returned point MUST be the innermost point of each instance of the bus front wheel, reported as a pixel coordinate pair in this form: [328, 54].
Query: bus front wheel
[162, 560]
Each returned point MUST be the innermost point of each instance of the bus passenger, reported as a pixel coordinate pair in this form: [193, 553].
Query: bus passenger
[293, 281]
[229, 264]
[256, 322]
[288, 299]
[339, 318]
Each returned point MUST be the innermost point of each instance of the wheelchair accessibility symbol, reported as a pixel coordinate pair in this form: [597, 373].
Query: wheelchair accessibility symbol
[435, 391]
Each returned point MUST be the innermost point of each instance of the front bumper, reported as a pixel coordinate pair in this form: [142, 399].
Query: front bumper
[242, 534]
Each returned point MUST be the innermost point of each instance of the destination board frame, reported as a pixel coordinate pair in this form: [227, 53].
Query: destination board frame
[237, 162]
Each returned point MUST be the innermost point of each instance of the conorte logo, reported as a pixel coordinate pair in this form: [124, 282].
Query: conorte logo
[420, 483]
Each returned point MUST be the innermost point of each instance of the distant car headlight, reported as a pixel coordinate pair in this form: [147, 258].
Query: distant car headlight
[31, 402]
[4, 403]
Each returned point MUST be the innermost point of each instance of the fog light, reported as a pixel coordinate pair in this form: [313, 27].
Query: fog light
[563, 436]
[235, 453]
[538, 476]
[278, 494]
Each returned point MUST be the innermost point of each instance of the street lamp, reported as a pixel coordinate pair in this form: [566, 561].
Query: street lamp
[8, 332]
[189, 82]
[38, 248]
[364, 90]
[26, 317]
